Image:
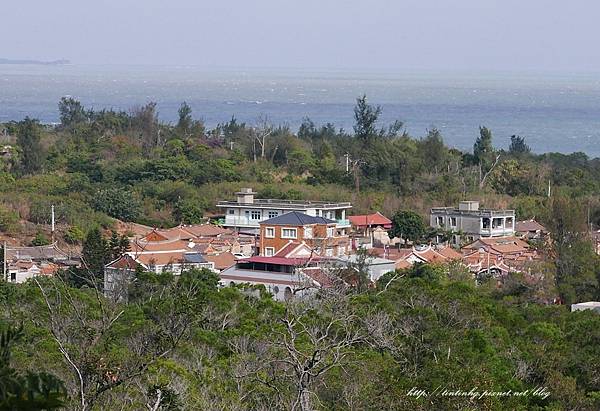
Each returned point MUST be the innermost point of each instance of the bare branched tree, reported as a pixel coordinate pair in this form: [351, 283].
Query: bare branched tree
[81, 328]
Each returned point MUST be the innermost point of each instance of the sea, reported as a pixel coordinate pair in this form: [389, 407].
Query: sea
[555, 112]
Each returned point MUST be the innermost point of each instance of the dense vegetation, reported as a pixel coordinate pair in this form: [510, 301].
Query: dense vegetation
[131, 166]
[188, 345]
[185, 344]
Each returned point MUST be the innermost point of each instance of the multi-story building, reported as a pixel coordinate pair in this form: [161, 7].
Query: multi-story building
[247, 212]
[469, 222]
[320, 234]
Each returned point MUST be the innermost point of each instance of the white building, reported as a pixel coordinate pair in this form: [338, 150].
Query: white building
[590, 305]
[470, 221]
[247, 212]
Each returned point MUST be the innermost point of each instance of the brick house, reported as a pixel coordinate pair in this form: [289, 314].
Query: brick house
[320, 234]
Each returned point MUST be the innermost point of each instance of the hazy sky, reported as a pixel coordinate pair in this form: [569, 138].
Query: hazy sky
[371, 34]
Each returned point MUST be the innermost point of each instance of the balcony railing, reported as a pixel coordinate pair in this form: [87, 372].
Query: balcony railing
[343, 223]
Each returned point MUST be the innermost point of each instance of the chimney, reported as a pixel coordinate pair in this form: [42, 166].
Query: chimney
[245, 196]
[468, 206]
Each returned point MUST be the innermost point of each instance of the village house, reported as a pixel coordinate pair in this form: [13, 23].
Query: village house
[420, 254]
[247, 212]
[293, 271]
[22, 263]
[175, 250]
[320, 234]
[369, 230]
[468, 222]
[498, 256]
[530, 230]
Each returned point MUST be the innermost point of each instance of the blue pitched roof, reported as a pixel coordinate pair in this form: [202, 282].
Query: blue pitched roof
[296, 218]
[194, 258]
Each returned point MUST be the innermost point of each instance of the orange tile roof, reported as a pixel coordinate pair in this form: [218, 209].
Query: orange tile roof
[221, 261]
[402, 264]
[206, 230]
[370, 219]
[167, 245]
[161, 258]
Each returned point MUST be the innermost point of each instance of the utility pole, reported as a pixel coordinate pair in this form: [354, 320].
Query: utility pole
[548, 188]
[52, 229]
[4, 275]
[347, 162]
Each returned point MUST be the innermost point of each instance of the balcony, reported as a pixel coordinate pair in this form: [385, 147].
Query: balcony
[233, 221]
[342, 223]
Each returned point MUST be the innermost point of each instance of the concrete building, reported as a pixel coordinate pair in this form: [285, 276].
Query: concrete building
[22, 263]
[590, 305]
[375, 266]
[468, 222]
[320, 234]
[247, 212]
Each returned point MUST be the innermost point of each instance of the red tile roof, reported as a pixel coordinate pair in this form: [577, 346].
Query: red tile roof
[278, 260]
[370, 219]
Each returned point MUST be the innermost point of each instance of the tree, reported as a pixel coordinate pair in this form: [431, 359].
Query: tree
[40, 239]
[483, 150]
[408, 225]
[28, 140]
[71, 112]
[95, 254]
[577, 264]
[365, 117]
[433, 150]
[117, 245]
[188, 211]
[118, 203]
[145, 122]
[484, 154]
[185, 118]
[518, 145]
[32, 391]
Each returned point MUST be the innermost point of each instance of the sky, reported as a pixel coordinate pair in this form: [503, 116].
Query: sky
[338, 34]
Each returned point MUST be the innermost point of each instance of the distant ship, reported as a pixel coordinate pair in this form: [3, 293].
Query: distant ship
[38, 62]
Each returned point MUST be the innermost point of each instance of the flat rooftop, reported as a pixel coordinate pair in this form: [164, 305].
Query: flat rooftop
[481, 212]
[291, 204]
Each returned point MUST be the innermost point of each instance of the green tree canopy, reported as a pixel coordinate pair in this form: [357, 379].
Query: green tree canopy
[29, 142]
[483, 150]
[365, 117]
[408, 225]
[518, 145]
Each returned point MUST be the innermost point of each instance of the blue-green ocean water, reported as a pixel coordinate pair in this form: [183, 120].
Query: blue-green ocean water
[554, 111]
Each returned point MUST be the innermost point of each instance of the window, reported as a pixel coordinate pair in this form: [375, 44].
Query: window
[273, 214]
[275, 290]
[440, 221]
[270, 232]
[255, 215]
[231, 211]
[452, 221]
[329, 252]
[509, 222]
[269, 251]
[485, 223]
[496, 223]
[330, 231]
[288, 233]
[308, 232]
